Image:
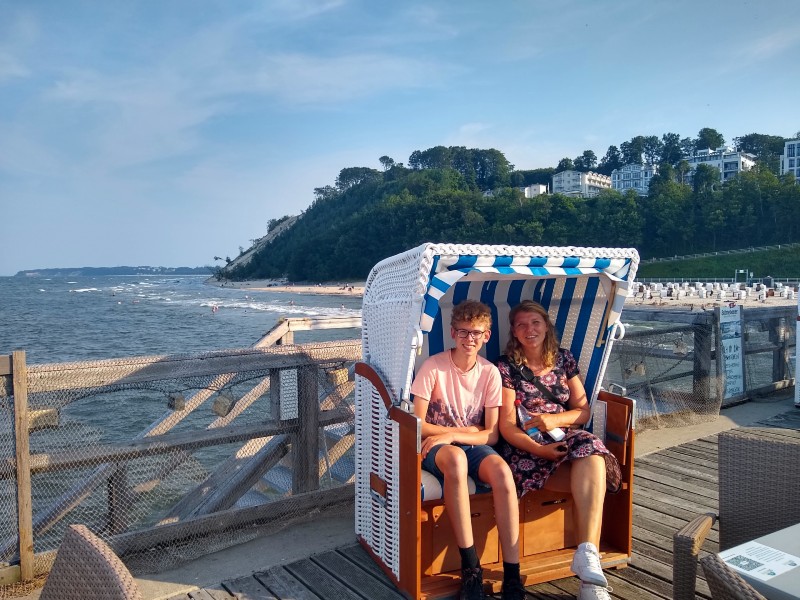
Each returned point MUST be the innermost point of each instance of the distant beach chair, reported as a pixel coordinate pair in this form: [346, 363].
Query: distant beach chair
[406, 310]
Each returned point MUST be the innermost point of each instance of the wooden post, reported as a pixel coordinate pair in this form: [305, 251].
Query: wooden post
[701, 386]
[22, 450]
[119, 500]
[274, 395]
[305, 475]
[780, 356]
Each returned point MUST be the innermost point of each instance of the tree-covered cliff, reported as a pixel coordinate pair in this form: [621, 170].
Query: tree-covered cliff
[473, 196]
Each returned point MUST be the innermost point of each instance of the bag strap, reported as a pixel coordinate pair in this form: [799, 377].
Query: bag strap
[528, 375]
[547, 393]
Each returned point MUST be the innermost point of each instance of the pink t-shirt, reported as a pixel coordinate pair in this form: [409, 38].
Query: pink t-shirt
[457, 399]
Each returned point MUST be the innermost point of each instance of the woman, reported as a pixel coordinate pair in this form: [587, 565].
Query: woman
[544, 378]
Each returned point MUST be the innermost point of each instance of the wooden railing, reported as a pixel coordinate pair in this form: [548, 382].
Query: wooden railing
[302, 390]
[700, 326]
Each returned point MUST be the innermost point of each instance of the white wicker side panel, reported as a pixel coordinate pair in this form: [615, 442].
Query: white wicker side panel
[390, 316]
[363, 450]
[377, 518]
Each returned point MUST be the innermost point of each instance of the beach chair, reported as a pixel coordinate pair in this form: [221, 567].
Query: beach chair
[407, 304]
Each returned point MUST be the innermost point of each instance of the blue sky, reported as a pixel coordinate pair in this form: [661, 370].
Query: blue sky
[165, 133]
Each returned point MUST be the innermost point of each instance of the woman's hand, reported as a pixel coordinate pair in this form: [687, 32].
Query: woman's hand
[545, 421]
[552, 452]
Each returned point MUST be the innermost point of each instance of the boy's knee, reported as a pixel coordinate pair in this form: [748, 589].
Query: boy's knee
[497, 472]
[452, 462]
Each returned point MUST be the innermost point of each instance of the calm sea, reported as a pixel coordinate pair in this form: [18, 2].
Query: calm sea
[81, 318]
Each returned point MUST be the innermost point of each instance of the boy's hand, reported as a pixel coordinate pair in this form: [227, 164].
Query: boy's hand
[436, 440]
[552, 452]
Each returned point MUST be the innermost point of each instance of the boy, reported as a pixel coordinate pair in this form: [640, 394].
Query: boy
[457, 396]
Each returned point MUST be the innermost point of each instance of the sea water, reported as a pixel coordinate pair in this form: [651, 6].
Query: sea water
[57, 319]
[66, 319]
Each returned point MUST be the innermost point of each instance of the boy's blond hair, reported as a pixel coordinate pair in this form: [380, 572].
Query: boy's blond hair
[471, 311]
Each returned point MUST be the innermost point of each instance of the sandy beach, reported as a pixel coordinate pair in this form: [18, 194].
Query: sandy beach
[267, 285]
[356, 289]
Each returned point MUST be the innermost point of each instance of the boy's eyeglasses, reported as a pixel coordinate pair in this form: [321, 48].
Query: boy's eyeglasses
[475, 335]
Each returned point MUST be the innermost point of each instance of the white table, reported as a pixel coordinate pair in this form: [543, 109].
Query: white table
[773, 553]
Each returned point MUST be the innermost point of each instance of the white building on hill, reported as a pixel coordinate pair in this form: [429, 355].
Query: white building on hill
[633, 177]
[578, 184]
[790, 159]
[727, 160]
[537, 189]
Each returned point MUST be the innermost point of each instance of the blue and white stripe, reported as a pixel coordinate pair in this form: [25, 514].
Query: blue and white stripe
[584, 297]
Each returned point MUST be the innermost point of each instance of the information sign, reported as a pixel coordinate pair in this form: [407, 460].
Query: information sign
[730, 332]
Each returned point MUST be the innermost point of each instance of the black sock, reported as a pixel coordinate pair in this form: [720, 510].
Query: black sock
[469, 558]
[510, 571]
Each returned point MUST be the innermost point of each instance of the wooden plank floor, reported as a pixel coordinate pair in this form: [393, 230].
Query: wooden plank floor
[672, 486]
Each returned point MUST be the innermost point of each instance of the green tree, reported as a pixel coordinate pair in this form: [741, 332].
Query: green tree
[613, 219]
[351, 176]
[767, 148]
[386, 162]
[565, 164]
[586, 161]
[688, 147]
[682, 170]
[671, 152]
[651, 148]
[667, 218]
[709, 138]
[708, 207]
[632, 151]
[612, 160]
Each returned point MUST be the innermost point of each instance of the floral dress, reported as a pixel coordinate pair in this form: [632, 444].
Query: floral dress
[530, 471]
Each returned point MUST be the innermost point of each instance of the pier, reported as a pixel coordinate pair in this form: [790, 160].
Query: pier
[233, 446]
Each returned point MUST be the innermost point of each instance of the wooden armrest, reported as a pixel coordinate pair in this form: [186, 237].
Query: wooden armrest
[368, 372]
[686, 545]
[403, 418]
[619, 424]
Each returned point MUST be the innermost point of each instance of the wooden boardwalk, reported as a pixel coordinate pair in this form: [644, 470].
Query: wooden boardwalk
[672, 486]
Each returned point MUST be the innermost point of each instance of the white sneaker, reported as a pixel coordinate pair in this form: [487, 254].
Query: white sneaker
[586, 565]
[588, 591]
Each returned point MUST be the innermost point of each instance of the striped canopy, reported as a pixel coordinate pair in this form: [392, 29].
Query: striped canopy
[583, 292]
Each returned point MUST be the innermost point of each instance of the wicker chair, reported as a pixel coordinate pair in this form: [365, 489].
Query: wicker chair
[724, 583]
[87, 569]
[758, 483]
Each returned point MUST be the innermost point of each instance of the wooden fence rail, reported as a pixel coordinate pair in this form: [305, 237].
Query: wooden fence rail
[299, 417]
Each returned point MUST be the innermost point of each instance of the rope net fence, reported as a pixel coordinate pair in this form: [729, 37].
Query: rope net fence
[672, 371]
[170, 458]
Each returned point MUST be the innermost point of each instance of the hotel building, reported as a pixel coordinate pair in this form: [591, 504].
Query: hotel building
[578, 184]
[790, 159]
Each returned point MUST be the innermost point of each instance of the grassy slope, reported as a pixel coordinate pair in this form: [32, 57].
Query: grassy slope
[774, 263]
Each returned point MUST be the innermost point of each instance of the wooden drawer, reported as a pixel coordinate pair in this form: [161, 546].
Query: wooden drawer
[547, 522]
[439, 549]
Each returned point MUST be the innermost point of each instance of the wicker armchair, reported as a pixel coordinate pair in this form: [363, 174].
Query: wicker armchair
[87, 569]
[724, 583]
[758, 482]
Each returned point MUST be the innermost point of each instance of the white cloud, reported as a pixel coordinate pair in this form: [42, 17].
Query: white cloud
[769, 46]
[304, 9]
